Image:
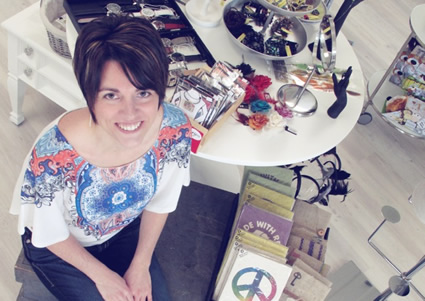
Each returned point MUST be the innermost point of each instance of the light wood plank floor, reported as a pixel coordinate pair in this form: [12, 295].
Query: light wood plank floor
[385, 165]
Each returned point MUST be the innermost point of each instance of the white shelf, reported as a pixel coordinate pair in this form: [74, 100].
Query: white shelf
[380, 88]
[387, 89]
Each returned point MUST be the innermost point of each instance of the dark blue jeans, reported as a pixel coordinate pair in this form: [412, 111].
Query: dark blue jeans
[66, 282]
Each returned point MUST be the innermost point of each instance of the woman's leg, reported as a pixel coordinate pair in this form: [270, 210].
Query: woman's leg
[66, 282]
[63, 280]
[159, 284]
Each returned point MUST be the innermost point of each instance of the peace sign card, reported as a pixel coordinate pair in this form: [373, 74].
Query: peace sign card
[255, 276]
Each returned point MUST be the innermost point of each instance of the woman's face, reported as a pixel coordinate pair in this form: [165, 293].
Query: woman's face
[125, 113]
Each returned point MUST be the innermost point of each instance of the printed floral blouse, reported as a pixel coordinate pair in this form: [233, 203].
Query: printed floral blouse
[60, 193]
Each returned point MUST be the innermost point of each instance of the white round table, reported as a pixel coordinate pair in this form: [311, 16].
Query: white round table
[236, 144]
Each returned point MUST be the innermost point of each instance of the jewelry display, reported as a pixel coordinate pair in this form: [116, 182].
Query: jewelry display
[179, 38]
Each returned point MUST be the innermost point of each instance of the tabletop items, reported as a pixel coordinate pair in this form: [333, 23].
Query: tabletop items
[264, 29]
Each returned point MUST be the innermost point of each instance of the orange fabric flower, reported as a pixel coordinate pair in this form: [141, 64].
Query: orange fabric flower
[257, 121]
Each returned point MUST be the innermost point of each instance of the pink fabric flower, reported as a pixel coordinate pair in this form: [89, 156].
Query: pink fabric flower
[283, 110]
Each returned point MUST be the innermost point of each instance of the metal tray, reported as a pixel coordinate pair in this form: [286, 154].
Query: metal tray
[297, 35]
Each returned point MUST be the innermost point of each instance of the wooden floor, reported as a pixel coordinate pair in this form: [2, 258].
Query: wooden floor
[385, 165]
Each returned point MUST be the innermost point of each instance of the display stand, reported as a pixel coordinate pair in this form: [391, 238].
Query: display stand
[205, 13]
[379, 87]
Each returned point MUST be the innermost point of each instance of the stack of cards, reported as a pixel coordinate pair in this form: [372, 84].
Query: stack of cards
[277, 245]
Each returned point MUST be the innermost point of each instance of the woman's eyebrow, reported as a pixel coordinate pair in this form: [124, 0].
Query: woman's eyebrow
[108, 89]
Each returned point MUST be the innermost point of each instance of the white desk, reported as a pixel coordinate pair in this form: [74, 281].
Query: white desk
[31, 62]
[233, 145]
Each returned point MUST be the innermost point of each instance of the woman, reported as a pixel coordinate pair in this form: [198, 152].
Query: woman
[96, 189]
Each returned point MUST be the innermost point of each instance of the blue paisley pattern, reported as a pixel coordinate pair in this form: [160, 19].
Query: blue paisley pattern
[103, 200]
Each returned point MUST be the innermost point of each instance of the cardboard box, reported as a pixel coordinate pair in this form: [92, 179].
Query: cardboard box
[201, 134]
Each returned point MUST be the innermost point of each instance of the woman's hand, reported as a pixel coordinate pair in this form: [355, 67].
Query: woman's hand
[110, 285]
[137, 276]
[113, 287]
[139, 281]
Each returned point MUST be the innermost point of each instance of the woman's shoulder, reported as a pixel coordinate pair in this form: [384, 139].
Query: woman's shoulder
[50, 140]
[54, 138]
[74, 126]
[74, 121]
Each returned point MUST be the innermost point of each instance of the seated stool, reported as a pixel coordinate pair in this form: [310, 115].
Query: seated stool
[32, 289]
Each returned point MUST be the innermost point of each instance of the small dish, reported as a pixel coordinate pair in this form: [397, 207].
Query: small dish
[307, 104]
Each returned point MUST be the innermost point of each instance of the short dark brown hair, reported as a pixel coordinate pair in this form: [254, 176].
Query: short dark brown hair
[130, 41]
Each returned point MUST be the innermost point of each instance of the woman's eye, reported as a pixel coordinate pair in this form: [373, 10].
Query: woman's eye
[110, 96]
[144, 94]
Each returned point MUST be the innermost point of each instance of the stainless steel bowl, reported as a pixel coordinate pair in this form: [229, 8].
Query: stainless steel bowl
[297, 35]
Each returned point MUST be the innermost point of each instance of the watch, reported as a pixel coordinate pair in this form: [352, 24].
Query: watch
[152, 11]
[167, 26]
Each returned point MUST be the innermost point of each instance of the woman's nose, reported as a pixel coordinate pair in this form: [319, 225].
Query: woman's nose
[129, 106]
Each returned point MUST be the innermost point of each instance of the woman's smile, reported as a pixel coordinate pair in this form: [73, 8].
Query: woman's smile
[130, 127]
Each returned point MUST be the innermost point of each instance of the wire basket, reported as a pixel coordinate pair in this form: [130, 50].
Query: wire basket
[51, 12]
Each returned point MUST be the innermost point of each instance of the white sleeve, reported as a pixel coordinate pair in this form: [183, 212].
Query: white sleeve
[169, 188]
[45, 220]
[16, 198]
[41, 209]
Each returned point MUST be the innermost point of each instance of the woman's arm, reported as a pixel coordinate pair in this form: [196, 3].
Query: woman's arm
[110, 285]
[137, 275]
